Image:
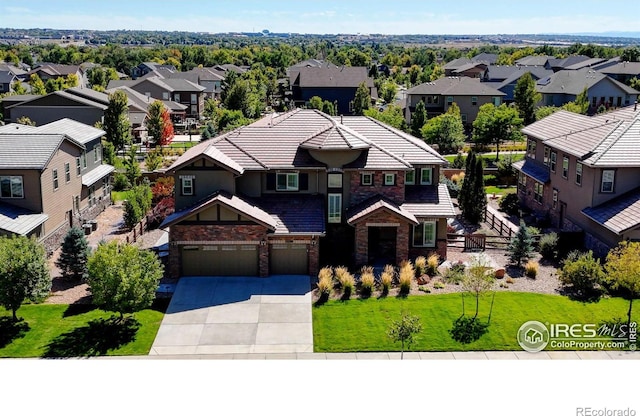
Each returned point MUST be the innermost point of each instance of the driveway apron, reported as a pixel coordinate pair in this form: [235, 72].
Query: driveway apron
[237, 315]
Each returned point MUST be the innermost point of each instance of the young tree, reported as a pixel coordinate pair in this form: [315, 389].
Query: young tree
[18, 88]
[37, 86]
[623, 271]
[329, 108]
[521, 247]
[495, 125]
[26, 121]
[478, 279]
[167, 134]
[526, 97]
[362, 99]
[153, 160]
[315, 102]
[123, 278]
[74, 254]
[418, 118]
[403, 331]
[23, 272]
[388, 91]
[132, 167]
[116, 120]
[155, 122]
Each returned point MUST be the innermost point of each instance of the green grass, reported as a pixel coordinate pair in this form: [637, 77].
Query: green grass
[119, 195]
[183, 144]
[500, 190]
[361, 325]
[491, 156]
[76, 331]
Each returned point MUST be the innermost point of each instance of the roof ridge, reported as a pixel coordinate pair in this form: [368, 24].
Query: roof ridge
[228, 139]
[581, 130]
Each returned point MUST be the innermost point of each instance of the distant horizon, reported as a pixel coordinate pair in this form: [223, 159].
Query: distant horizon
[331, 17]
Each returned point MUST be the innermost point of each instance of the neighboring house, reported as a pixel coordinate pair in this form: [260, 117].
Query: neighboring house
[505, 78]
[536, 60]
[7, 78]
[146, 67]
[205, 77]
[564, 86]
[581, 173]
[181, 91]
[298, 190]
[622, 71]
[471, 70]
[468, 93]
[334, 84]
[51, 178]
[47, 71]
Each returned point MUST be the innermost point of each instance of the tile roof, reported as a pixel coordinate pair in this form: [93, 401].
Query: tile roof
[79, 132]
[234, 202]
[375, 204]
[335, 137]
[19, 220]
[96, 174]
[429, 201]
[619, 214]
[28, 150]
[295, 214]
[455, 86]
[533, 168]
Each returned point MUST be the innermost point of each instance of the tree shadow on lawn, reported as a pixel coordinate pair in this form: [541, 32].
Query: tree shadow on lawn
[97, 338]
[78, 309]
[11, 330]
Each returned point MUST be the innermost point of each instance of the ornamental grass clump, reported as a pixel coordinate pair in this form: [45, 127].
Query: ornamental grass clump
[421, 265]
[367, 281]
[432, 264]
[325, 283]
[346, 281]
[531, 269]
[405, 276]
[386, 278]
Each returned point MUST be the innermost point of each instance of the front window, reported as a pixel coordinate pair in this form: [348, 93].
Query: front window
[410, 177]
[92, 195]
[424, 234]
[335, 208]
[474, 100]
[176, 97]
[55, 179]
[287, 181]
[552, 161]
[496, 101]
[607, 180]
[579, 173]
[334, 180]
[531, 149]
[366, 179]
[449, 99]
[565, 167]
[11, 187]
[426, 176]
[165, 95]
[97, 153]
[194, 99]
[547, 150]
[187, 185]
[67, 172]
[538, 191]
[389, 179]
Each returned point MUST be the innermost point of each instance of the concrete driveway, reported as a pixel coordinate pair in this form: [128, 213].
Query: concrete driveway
[237, 315]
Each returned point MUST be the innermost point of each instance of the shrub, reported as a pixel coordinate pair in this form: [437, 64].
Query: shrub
[325, 283]
[533, 230]
[121, 182]
[531, 269]
[438, 285]
[583, 274]
[346, 281]
[490, 180]
[432, 264]
[405, 277]
[453, 187]
[386, 278]
[137, 205]
[458, 177]
[367, 281]
[424, 289]
[421, 265]
[458, 162]
[160, 211]
[162, 188]
[454, 275]
[510, 204]
[548, 246]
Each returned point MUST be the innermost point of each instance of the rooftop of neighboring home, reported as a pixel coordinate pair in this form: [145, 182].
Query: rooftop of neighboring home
[328, 77]
[56, 69]
[29, 149]
[454, 86]
[13, 69]
[574, 82]
[507, 73]
[564, 63]
[606, 140]
[167, 84]
[534, 60]
[6, 76]
[587, 63]
[622, 68]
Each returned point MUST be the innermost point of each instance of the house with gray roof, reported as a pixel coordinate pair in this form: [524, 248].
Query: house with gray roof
[295, 191]
[581, 174]
[621, 71]
[51, 178]
[468, 93]
[564, 86]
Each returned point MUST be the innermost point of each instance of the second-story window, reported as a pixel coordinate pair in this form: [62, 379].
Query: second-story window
[547, 150]
[449, 99]
[97, 153]
[55, 179]
[335, 208]
[176, 97]
[194, 99]
[11, 187]
[538, 192]
[474, 100]
[552, 161]
[426, 176]
[389, 179]
[522, 181]
[287, 181]
[579, 173]
[555, 198]
[187, 185]
[531, 148]
[67, 172]
[83, 158]
[334, 180]
[410, 177]
[78, 169]
[608, 177]
[565, 167]
[366, 179]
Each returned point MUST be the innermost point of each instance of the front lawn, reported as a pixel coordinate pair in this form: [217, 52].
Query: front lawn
[500, 190]
[361, 325]
[77, 331]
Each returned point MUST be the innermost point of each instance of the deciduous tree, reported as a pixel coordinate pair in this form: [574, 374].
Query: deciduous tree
[526, 97]
[116, 120]
[403, 330]
[418, 119]
[362, 99]
[495, 125]
[623, 271]
[23, 272]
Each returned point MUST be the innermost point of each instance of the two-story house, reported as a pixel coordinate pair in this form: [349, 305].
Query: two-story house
[294, 190]
[468, 93]
[582, 173]
[51, 178]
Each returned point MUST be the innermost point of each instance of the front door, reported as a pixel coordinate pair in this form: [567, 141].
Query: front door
[382, 245]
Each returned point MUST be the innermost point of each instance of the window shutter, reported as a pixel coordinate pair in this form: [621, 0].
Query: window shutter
[303, 184]
[271, 181]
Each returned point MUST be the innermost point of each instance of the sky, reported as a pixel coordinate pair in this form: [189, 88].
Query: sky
[327, 16]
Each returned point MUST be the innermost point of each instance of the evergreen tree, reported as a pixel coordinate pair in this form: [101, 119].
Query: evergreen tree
[467, 183]
[418, 118]
[521, 247]
[73, 257]
[362, 99]
[477, 200]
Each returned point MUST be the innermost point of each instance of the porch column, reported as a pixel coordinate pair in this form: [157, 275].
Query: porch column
[402, 242]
